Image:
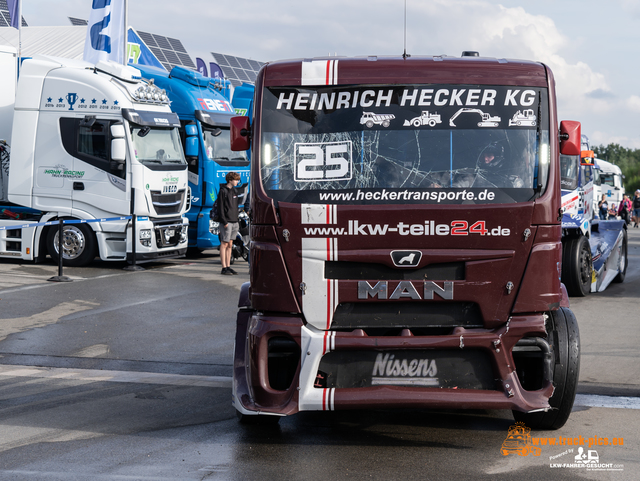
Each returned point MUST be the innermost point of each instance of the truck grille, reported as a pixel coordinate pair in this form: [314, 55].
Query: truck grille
[166, 204]
[168, 235]
[410, 315]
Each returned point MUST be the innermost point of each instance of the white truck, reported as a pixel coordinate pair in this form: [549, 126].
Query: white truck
[93, 145]
[610, 182]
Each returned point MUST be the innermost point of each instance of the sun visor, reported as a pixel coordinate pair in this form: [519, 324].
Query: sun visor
[152, 119]
[213, 119]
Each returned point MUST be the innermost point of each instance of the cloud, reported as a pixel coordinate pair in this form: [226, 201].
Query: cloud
[633, 103]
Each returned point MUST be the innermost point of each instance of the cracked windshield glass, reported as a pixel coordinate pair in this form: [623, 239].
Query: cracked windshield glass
[409, 144]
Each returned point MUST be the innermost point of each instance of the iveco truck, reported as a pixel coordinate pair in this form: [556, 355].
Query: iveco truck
[93, 144]
[408, 265]
[203, 106]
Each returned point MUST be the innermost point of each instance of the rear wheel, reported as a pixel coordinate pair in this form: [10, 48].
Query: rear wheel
[576, 266]
[78, 244]
[563, 335]
[622, 266]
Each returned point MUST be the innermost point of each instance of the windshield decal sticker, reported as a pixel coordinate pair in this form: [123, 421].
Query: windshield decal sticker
[486, 119]
[525, 118]
[370, 119]
[323, 161]
[425, 118]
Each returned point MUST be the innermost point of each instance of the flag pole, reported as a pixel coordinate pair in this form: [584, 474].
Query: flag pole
[125, 56]
[19, 40]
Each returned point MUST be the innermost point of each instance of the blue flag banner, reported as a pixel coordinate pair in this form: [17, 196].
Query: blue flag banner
[105, 32]
[14, 12]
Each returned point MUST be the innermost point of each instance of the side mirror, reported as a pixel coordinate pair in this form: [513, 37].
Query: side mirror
[118, 150]
[117, 131]
[240, 134]
[570, 137]
[191, 130]
[191, 147]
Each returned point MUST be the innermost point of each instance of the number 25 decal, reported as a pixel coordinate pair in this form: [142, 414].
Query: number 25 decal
[323, 161]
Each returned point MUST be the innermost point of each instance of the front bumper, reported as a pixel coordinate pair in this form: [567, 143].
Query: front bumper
[256, 363]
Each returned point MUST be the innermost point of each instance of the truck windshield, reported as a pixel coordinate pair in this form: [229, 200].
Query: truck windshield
[569, 167]
[404, 144]
[218, 148]
[607, 179]
[157, 146]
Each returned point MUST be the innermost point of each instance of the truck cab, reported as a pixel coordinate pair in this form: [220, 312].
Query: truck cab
[400, 266]
[204, 110]
[92, 142]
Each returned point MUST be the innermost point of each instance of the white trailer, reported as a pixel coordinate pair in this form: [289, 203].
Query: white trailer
[90, 142]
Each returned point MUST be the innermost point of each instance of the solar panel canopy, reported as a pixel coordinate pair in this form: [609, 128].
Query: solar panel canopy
[78, 22]
[169, 51]
[238, 69]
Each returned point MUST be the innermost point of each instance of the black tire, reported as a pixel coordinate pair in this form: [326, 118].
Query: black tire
[257, 419]
[564, 336]
[576, 266]
[623, 261]
[232, 259]
[78, 245]
[245, 254]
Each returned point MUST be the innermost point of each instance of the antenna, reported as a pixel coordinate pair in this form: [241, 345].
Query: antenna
[404, 55]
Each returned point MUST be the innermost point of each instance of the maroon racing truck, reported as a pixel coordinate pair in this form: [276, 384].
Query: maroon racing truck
[402, 264]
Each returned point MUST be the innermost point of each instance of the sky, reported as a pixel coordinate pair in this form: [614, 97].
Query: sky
[591, 45]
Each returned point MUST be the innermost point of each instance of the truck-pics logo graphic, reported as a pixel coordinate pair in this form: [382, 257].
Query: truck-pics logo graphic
[406, 258]
[519, 441]
[329, 161]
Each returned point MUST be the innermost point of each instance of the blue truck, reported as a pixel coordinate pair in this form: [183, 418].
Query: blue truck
[594, 251]
[204, 110]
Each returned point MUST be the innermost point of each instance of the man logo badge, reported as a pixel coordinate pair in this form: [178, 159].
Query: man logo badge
[406, 258]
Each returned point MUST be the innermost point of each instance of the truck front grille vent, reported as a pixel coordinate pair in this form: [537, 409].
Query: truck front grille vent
[166, 204]
[451, 271]
[407, 315]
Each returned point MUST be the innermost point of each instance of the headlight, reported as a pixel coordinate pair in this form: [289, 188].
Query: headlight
[145, 233]
[184, 235]
[214, 227]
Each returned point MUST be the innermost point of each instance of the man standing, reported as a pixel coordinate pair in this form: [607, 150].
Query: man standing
[228, 212]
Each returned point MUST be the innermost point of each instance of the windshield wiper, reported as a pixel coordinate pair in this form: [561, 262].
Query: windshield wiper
[155, 161]
[174, 162]
[239, 158]
[221, 158]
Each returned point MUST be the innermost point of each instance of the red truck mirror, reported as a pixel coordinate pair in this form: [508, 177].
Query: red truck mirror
[570, 137]
[240, 133]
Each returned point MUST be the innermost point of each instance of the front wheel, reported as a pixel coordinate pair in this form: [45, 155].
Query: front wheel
[622, 266]
[563, 335]
[78, 244]
[576, 266]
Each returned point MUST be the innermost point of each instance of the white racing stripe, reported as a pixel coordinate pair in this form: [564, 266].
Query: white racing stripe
[618, 402]
[95, 375]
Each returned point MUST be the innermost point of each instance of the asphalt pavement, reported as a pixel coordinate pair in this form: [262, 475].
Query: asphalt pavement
[126, 375]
